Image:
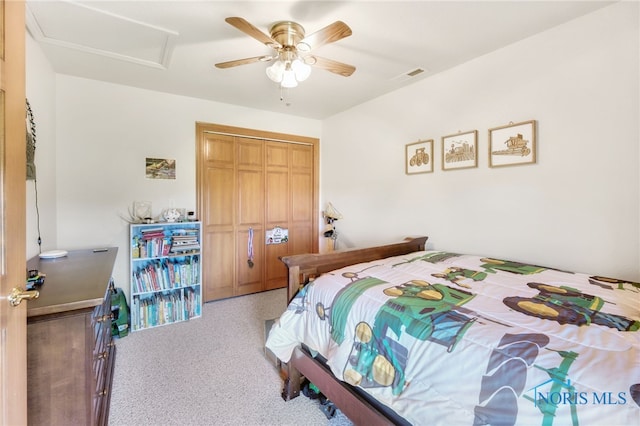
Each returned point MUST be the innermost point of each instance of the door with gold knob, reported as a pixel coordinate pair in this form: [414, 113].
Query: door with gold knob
[13, 319]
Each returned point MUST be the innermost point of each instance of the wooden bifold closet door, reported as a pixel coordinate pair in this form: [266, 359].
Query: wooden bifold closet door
[250, 182]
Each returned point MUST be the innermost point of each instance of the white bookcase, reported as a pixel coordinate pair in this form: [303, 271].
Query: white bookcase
[166, 273]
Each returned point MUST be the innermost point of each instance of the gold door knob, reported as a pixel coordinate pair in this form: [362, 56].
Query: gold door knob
[18, 293]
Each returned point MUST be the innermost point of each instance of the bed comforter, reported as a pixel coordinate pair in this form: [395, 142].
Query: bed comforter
[445, 338]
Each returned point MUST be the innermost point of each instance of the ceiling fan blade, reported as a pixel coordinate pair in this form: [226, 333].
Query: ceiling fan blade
[247, 28]
[329, 34]
[334, 66]
[244, 61]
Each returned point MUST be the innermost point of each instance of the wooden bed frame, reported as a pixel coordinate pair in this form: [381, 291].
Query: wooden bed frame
[303, 268]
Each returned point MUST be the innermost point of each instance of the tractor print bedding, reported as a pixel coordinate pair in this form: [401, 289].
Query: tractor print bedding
[471, 340]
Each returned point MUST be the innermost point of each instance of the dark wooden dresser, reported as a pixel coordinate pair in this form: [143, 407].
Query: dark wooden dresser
[70, 351]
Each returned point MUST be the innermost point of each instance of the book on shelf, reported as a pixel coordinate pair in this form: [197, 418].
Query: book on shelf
[165, 274]
[165, 308]
[152, 230]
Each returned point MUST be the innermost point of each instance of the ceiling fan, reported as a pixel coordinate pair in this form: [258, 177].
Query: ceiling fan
[292, 48]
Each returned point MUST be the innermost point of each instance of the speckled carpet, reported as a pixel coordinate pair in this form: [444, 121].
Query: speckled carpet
[208, 371]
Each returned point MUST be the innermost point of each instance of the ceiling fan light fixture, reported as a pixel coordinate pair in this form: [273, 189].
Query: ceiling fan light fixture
[276, 71]
[301, 70]
[289, 79]
[288, 73]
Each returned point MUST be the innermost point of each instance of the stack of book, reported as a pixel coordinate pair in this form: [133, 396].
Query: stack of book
[184, 240]
[154, 243]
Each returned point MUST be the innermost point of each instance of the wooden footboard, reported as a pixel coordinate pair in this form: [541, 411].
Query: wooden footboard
[305, 267]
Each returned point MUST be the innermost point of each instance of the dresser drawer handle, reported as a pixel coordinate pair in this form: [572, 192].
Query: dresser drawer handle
[103, 318]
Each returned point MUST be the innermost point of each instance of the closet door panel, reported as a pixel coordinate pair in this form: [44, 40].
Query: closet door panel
[219, 149]
[277, 155]
[250, 153]
[302, 157]
[277, 214]
[250, 198]
[302, 192]
[218, 267]
[278, 207]
[218, 218]
[220, 197]
[301, 240]
[301, 197]
[276, 270]
[277, 198]
[250, 189]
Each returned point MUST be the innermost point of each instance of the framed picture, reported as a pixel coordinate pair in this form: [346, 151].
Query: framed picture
[419, 157]
[460, 151]
[512, 144]
[160, 168]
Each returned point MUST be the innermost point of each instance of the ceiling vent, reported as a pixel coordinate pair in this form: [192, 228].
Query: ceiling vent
[405, 76]
[87, 29]
[415, 72]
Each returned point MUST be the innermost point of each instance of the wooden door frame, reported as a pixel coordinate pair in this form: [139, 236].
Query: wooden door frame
[13, 320]
[203, 128]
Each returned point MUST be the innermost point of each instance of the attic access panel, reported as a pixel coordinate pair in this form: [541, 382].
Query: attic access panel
[88, 29]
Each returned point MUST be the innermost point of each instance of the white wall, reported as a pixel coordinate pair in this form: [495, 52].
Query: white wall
[104, 134]
[577, 208]
[41, 92]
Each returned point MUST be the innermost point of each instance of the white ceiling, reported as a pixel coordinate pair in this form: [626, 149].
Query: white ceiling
[172, 46]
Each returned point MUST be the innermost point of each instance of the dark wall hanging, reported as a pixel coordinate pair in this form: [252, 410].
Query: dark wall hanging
[31, 144]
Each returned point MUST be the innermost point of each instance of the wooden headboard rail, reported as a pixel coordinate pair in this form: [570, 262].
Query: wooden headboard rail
[303, 267]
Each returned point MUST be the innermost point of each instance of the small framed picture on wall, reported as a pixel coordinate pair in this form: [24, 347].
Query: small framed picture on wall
[512, 144]
[419, 157]
[460, 151]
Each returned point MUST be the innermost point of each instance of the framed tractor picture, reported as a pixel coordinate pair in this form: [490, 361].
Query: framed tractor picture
[419, 157]
[460, 151]
[512, 144]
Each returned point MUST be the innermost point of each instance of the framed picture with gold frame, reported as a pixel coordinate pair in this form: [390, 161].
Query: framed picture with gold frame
[419, 157]
[460, 151]
[513, 144]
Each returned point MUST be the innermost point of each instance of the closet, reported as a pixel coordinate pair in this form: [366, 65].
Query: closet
[251, 184]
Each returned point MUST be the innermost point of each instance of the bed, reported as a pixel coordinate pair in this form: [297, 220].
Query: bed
[398, 334]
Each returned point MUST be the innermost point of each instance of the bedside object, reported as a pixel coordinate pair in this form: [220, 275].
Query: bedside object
[171, 215]
[53, 254]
